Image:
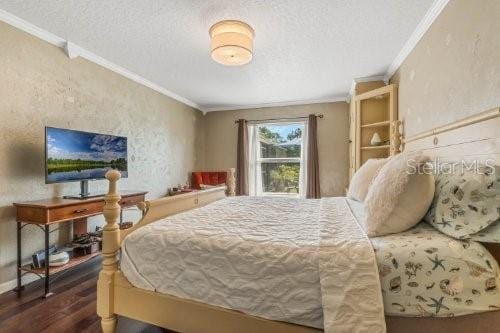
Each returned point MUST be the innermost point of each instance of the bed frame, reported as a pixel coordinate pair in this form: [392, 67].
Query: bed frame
[476, 137]
[116, 296]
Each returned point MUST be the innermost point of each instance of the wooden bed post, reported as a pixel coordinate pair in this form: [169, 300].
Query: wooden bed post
[396, 139]
[231, 182]
[110, 247]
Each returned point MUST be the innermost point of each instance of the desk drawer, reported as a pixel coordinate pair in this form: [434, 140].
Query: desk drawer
[131, 200]
[75, 211]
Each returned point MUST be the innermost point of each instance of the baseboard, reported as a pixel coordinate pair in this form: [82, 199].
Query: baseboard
[9, 285]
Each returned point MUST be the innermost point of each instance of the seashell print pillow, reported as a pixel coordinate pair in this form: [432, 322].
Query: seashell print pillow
[466, 201]
[491, 234]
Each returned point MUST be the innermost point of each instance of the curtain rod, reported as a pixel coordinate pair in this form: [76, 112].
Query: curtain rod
[270, 119]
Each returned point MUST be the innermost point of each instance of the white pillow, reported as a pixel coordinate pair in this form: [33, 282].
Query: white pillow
[399, 196]
[362, 179]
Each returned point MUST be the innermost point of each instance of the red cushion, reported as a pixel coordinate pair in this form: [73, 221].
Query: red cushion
[222, 177]
[208, 178]
[213, 178]
[196, 180]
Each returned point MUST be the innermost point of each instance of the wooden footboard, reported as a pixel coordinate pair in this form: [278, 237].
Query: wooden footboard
[160, 208]
[182, 315]
[107, 295]
[117, 296]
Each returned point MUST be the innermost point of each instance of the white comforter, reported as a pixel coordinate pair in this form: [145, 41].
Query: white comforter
[265, 257]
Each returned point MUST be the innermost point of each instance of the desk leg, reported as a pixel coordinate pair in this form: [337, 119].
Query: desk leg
[19, 254]
[47, 275]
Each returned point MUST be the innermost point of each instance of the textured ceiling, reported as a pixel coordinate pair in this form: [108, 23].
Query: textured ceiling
[305, 50]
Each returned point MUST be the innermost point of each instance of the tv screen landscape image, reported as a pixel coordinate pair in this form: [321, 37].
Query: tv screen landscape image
[75, 155]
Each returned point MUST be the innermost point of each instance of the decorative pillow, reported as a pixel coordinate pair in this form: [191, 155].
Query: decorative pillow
[362, 179]
[399, 196]
[490, 234]
[466, 201]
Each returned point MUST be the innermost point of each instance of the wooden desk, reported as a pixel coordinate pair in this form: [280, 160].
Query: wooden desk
[44, 213]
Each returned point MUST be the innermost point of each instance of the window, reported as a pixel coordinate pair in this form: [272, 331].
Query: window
[277, 159]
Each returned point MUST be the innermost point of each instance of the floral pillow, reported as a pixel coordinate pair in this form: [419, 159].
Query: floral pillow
[465, 202]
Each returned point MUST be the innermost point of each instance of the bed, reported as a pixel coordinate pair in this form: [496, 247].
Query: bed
[155, 290]
[276, 279]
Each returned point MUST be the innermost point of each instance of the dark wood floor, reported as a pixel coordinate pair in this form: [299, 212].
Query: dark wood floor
[72, 308]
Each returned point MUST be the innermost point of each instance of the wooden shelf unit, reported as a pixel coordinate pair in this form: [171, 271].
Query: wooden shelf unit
[377, 124]
[75, 261]
[48, 212]
[375, 147]
[372, 111]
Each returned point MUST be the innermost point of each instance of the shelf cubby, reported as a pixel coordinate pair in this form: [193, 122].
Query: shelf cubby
[75, 261]
[375, 111]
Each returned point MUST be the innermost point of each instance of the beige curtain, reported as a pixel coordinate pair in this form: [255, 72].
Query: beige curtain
[312, 178]
[242, 159]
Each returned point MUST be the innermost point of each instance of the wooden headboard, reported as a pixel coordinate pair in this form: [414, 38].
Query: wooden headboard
[472, 138]
[475, 138]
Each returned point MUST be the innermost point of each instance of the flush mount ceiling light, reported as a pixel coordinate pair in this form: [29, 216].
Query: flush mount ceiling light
[232, 42]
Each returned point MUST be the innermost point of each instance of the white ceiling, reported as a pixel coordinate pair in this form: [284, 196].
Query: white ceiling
[305, 51]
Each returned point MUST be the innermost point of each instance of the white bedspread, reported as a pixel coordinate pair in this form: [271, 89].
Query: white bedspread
[265, 257]
[351, 296]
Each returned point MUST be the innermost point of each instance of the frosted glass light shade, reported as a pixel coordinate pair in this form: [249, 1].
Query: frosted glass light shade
[232, 42]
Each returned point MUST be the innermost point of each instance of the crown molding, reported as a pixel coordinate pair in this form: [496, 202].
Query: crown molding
[31, 29]
[363, 79]
[424, 25]
[72, 51]
[233, 107]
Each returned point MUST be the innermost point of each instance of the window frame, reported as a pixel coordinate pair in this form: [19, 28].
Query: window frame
[259, 160]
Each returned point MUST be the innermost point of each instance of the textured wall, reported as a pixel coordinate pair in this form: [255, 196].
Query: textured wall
[454, 71]
[333, 132]
[40, 86]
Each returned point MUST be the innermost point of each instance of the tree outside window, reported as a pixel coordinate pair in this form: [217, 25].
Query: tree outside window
[279, 158]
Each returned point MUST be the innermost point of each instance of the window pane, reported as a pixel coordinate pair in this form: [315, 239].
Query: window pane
[278, 141]
[280, 177]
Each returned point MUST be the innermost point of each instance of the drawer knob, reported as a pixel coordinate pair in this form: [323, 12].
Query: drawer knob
[83, 210]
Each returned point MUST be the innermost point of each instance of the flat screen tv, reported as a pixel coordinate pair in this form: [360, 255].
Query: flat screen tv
[82, 156]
